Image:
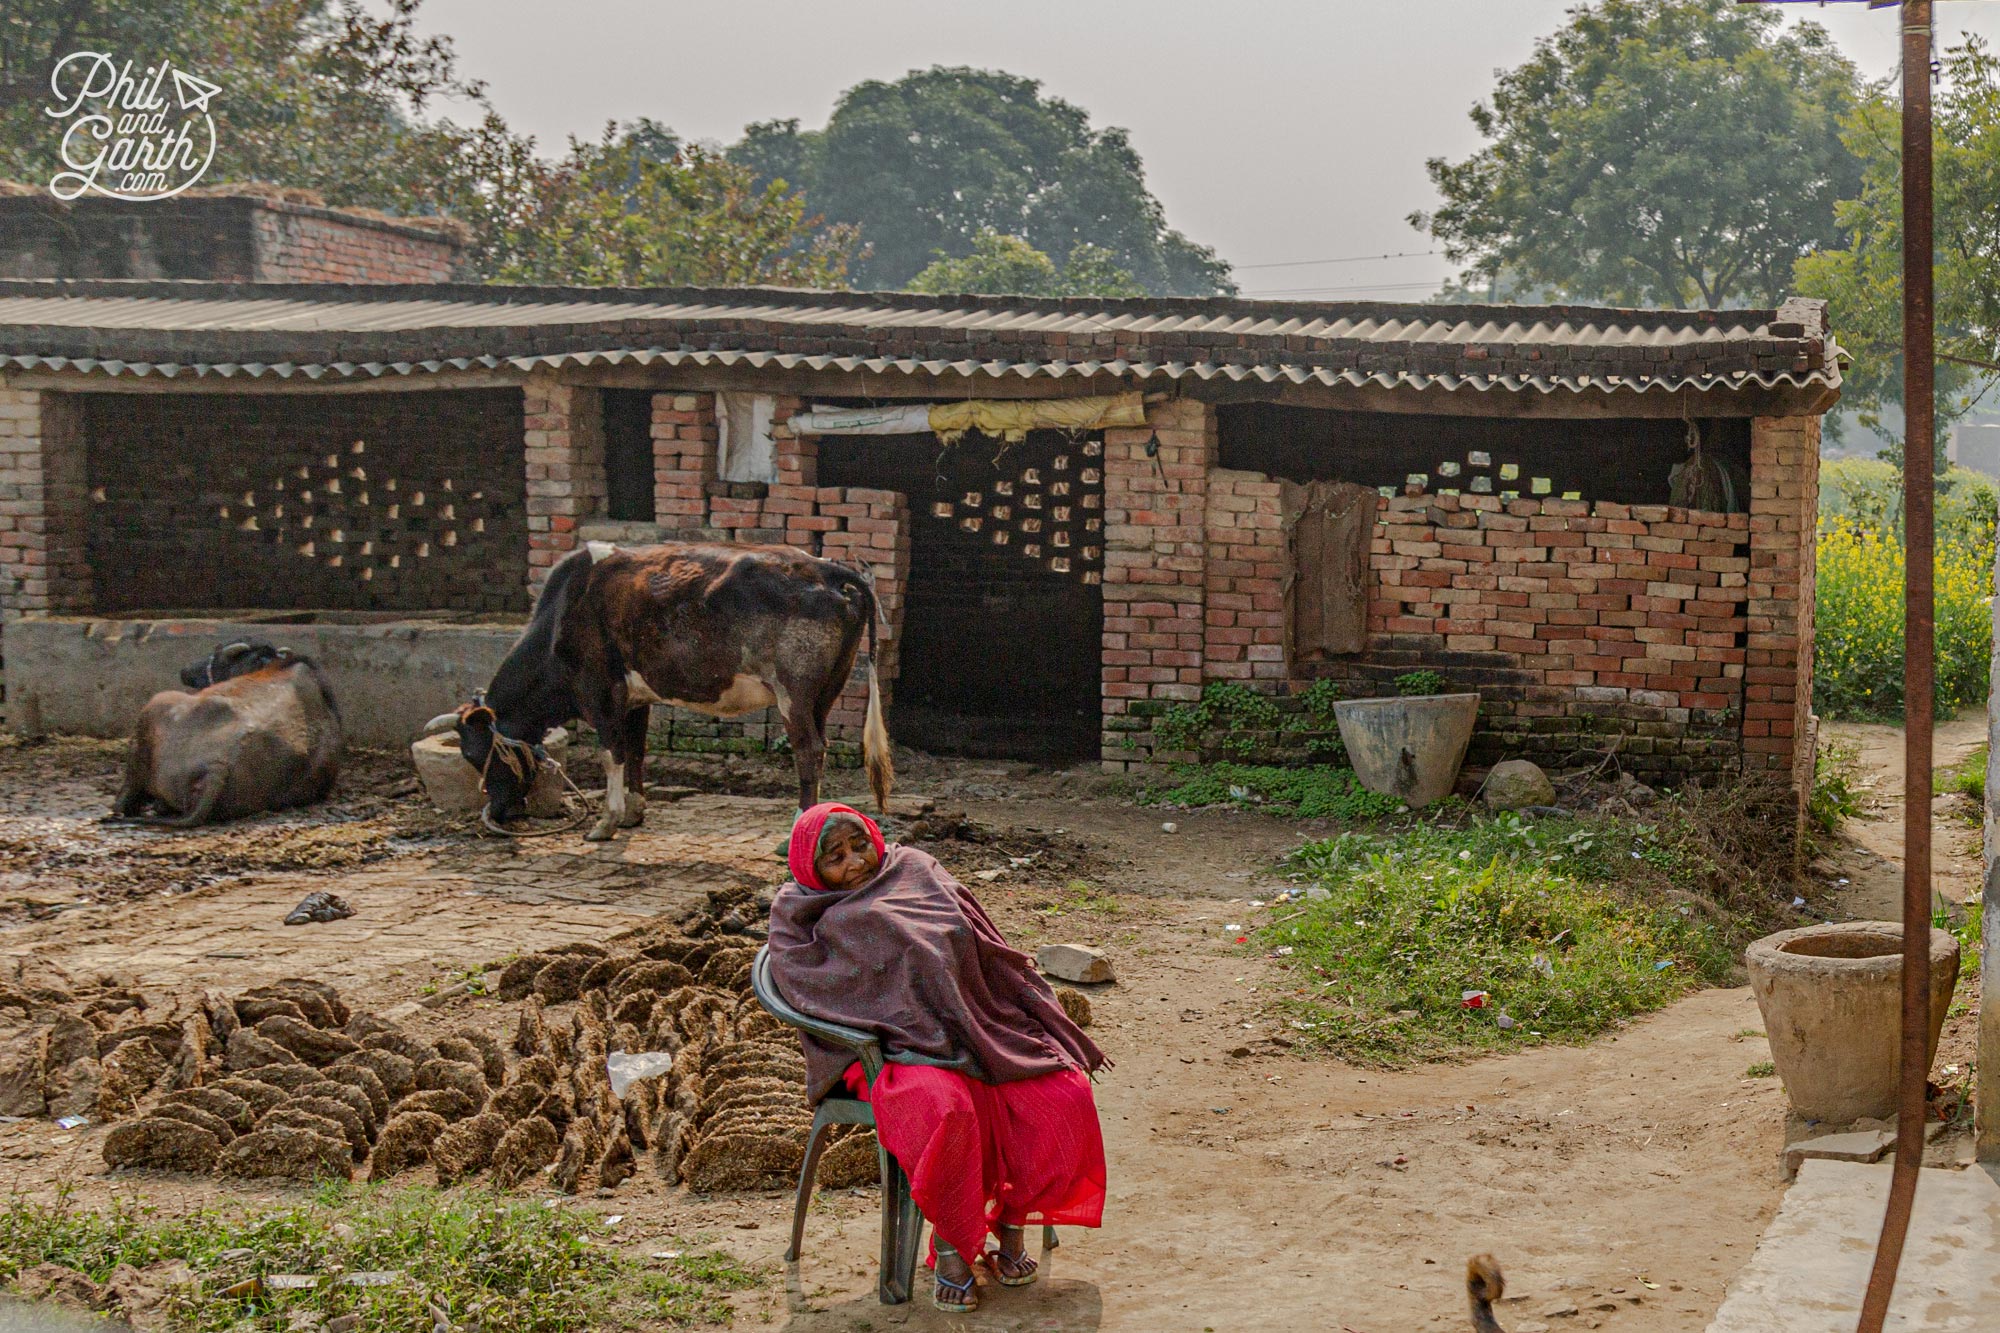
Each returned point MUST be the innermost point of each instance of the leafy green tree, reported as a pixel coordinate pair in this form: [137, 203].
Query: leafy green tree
[927, 165]
[1656, 152]
[614, 213]
[1863, 276]
[341, 98]
[1009, 265]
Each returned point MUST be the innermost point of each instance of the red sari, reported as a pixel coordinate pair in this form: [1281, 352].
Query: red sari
[913, 958]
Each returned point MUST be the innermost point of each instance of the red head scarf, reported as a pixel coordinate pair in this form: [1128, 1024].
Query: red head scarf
[805, 840]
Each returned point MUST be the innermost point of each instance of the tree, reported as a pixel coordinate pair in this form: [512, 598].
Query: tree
[1656, 152]
[929, 164]
[615, 213]
[1008, 265]
[337, 96]
[1863, 276]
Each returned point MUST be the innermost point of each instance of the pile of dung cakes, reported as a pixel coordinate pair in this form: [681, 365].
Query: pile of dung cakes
[721, 1102]
[290, 1083]
[90, 1047]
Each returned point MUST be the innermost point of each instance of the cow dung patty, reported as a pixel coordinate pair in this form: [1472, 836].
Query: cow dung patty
[162, 1144]
[294, 1154]
[405, 1142]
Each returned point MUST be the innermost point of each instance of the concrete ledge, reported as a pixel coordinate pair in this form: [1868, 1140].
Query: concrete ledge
[1810, 1269]
[91, 677]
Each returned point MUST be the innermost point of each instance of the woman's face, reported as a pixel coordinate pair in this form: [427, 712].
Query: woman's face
[847, 858]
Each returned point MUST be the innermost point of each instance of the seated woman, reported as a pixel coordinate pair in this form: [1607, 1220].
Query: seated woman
[883, 939]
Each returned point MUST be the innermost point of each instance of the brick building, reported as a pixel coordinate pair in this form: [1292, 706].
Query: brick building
[1077, 513]
[222, 234]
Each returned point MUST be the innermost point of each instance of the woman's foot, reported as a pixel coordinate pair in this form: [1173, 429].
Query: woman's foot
[1012, 1263]
[956, 1291]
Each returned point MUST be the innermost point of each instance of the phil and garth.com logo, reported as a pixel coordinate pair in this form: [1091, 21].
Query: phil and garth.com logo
[123, 137]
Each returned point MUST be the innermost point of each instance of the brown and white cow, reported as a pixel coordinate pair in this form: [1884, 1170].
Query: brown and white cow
[724, 630]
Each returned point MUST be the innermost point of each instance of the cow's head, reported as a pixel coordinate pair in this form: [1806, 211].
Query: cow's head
[231, 660]
[507, 767]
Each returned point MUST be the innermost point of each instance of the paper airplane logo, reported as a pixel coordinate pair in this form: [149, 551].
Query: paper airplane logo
[194, 93]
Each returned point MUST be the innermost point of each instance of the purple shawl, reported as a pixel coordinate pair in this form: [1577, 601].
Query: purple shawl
[912, 958]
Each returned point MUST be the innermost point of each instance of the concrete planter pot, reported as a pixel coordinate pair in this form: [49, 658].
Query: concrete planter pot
[1831, 1000]
[1410, 748]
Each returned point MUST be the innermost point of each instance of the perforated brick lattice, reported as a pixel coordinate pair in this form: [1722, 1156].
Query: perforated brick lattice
[369, 503]
[1046, 503]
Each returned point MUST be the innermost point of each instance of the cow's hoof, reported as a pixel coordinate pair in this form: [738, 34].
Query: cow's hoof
[602, 830]
[635, 815]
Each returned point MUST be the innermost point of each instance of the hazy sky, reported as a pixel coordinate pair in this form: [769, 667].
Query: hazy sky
[1277, 131]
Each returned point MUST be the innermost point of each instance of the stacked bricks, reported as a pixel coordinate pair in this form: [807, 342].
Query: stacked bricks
[565, 468]
[1155, 569]
[684, 452]
[43, 504]
[1244, 631]
[1576, 622]
[302, 244]
[1784, 504]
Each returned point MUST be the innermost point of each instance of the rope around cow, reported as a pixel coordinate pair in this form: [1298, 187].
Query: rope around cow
[520, 758]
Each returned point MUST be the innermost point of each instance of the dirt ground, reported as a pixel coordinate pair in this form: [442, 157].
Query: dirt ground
[1621, 1184]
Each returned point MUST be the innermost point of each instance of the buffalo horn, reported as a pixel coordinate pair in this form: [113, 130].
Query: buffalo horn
[442, 722]
[230, 652]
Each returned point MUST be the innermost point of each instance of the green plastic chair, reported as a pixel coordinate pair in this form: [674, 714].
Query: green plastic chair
[902, 1222]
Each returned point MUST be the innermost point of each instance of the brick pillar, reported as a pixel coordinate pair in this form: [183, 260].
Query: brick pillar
[44, 505]
[1784, 509]
[874, 532]
[1244, 634]
[1155, 561]
[565, 461]
[684, 458]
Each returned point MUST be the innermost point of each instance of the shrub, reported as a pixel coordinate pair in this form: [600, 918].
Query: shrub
[1316, 792]
[1836, 792]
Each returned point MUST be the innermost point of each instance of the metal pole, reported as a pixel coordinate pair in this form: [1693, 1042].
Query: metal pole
[1918, 483]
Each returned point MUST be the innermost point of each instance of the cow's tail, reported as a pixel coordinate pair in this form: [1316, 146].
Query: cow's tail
[875, 752]
[876, 755]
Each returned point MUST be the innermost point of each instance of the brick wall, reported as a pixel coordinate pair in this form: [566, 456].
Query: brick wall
[1574, 621]
[564, 457]
[296, 244]
[43, 493]
[1155, 563]
[217, 238]
[404, 502]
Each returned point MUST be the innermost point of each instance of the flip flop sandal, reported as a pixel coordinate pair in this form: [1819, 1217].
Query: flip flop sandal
[954, 1297]
[1014, 1270]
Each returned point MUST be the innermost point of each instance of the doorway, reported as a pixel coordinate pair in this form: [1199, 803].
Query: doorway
[1004, 623]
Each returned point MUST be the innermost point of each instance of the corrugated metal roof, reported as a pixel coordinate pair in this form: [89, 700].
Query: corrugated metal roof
[256, 331]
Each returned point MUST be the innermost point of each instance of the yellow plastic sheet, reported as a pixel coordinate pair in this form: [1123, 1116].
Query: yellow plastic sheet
[1012, 419]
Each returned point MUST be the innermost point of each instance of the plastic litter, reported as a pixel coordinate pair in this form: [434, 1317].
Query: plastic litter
[73, 1121]
[1505, 1020]
[626, 1069]
[1473, 999]
[1798, 902]
[1663, 965]
[1540, 962]
[1170, 827]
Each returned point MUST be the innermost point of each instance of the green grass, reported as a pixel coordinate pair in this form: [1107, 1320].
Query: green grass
[1080, 895]
[1316, 792]
[487, 1262]
[1529, 911]
[1762, 1069]
[1967, 778]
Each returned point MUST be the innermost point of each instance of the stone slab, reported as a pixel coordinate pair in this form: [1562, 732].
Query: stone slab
[1810, 1269]
[1862, 1146]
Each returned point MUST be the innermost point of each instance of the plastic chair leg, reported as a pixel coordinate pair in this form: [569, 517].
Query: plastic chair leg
[902, 1233]
[808, 1170]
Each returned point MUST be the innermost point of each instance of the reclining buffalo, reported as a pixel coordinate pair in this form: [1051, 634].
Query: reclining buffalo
[258, 731]
[722, 630]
